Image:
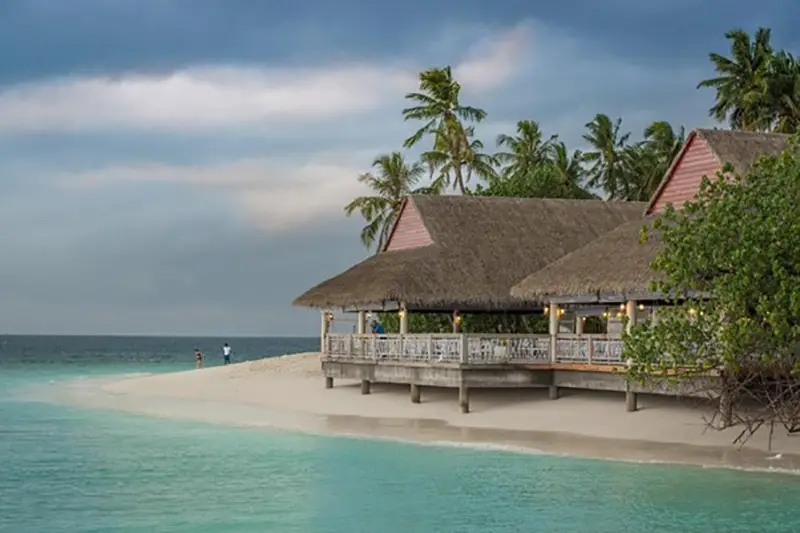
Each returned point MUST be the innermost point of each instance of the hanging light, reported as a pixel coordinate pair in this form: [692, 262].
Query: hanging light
[640, 307]
[621, 307]
[401, 313]
[457, 319]
[546, 309]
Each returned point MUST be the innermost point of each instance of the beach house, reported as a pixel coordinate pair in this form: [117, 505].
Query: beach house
[568, 258]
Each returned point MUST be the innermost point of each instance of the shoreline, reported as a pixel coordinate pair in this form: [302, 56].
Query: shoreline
[288, 393]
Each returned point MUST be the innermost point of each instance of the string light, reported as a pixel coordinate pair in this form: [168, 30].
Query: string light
[640, 307]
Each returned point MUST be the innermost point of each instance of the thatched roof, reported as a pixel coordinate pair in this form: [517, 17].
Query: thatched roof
[739, 148]
[614, 263]
[482, 246]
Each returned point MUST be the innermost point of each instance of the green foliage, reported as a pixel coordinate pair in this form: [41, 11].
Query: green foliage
[731, 259]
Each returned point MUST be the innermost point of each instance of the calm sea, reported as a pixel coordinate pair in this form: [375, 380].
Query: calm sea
[68, 470]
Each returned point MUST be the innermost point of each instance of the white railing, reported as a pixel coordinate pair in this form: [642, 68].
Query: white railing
[588, 349]
[474, 349]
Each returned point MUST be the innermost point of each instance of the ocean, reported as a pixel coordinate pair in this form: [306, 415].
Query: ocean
[79, 470]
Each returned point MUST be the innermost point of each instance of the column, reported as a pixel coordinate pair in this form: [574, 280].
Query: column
[579, 320]
[630, 310]
[553, 330]
[323, 330]
[403, 319]
[463, 397]
[456, 321]
[362, 323]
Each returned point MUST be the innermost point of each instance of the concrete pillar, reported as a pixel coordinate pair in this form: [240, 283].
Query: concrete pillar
[403, 319]
[553, 330]
[630, 401]
[416, 393]
[365, 384]
[456, 321]
[553, 392]
[630, 311]
[361, 327]
[323, 330]
[463, 398]
[328, 382]
[579, 321]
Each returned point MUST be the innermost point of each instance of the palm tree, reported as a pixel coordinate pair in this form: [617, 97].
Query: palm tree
[439, 107]
[455, 158]
[742, 81]
[647, 161]
[391, 182]
[570, 170]
[526, 150]
[608, 168]
[784, 92]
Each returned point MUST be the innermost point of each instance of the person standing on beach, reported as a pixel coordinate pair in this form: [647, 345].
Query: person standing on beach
[198, 358]
[226, 354]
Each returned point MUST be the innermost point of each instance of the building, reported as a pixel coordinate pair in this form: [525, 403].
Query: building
[568, 258]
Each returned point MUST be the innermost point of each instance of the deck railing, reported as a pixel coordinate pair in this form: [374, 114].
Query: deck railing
[474, 349]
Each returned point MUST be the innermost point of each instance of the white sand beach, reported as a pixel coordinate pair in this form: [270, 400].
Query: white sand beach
[289, 392]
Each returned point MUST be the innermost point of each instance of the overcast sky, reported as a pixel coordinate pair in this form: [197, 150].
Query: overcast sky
[180, 166]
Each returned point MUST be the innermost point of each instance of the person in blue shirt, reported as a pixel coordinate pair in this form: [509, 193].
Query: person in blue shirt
[377, 327]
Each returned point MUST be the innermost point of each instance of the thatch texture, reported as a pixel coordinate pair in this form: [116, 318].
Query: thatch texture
[615, 263]
[742, 148]
[482, 247]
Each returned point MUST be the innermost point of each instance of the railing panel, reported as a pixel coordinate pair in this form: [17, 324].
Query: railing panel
[483, 349]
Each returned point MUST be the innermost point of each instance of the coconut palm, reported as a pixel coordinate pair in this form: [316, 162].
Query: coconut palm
[457, 156]
[444, 118]
[525, 150]
[607, 171]
[392, 180]
[784, 92]
[570, 170]
[742, 81]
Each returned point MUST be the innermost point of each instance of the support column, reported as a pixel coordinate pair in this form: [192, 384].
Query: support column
[403, 319]
[361, 327]
[553, 330]
[463, 398]
[365, 386]
[630, 311]
[416, 393]
[553, 392]
[631, 401]
[579, 322]
[328, 382]
[456, 321]
[323, 331]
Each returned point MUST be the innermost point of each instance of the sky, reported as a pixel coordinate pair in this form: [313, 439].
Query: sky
[180, 167]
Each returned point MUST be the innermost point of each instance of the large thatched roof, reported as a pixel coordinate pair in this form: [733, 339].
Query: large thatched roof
[614, 263]
[482, 246]
[739, 148]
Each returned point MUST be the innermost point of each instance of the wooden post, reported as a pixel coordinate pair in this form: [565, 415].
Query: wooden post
[323, 332]
[362, 323]
[579, 320]
[463, 397]
[630, 310]
[416, 393]
[455, 321]
[590, 349]
[553, 330]
[328, 382]
[630, 400]
[464, 344]
[403, 319]
[365, 385]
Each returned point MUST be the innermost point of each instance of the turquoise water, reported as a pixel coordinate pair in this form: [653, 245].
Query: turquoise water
[80, 470]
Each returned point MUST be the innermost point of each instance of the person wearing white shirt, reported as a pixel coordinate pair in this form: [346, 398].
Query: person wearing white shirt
[226, 354]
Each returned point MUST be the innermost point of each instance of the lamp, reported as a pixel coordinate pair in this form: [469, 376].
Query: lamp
[640, 307]
[401, 313]
[621, 307]
[457, 319]
[546, 309]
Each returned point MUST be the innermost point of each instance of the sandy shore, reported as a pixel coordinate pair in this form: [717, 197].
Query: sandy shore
[289, 392]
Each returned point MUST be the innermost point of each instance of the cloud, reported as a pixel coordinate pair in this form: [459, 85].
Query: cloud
[274, 194]
[199, 98]
[494, 61]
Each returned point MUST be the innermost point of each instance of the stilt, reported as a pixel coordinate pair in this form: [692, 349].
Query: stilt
[416, 393]
[365, 386]
[463, 398]
[328, 382]
[630, 401]
[726, 408]
[553, 392]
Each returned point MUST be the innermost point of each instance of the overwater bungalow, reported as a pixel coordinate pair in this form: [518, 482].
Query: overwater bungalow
[568, 258]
